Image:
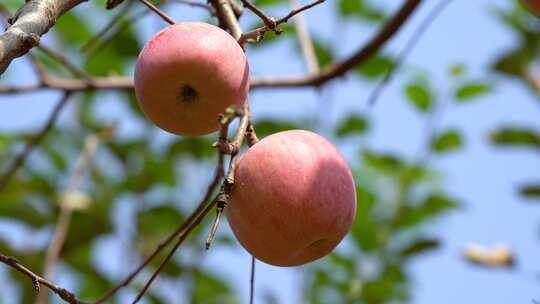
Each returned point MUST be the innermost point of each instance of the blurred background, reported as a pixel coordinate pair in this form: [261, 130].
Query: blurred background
[446, 160]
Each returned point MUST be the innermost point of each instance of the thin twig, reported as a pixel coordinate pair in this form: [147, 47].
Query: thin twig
[64, 294]
[98, 45]
[409, 46]
[222, 198]
[252, 281]
[257, 34]
[182, 236]
[20, 159]
[161, 13]
[231, 148]
[64, 219]
[177, 233]
[110, 25]
[297, 11]
[72, 68]
[41, 73]
[268, 21]
[219, 211]
[304, 38]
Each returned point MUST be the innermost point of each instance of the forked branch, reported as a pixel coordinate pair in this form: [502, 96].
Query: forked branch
[38, 281]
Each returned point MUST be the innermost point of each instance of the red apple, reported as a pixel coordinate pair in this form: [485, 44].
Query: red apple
[188, 74]
[533, 5]
[293, 198]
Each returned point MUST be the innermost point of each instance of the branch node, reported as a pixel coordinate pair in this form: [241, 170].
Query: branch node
[35, 283]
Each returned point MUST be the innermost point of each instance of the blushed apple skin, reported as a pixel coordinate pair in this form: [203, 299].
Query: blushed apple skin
[293, 199]
[533, 5]
[188, 74]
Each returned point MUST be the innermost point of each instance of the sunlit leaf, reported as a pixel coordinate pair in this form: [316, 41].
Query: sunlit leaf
[472, 90]
[419, 246]
[447, 141]
[375, 67]
[267, 126]
[530, 191]
[419, 95]
[457, 69]
[516, 136]
[384, 163]
[323, 53]
[209, 289]
[434, 205]
[361, 9]
[353, 125]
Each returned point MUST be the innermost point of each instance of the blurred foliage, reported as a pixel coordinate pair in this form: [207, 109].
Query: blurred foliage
[133, 179]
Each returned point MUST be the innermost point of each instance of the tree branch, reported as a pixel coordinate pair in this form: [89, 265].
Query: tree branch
[64, 294]
[31, 21]
[330, 72]
[407, 49]
[178, 233]
[363, 54]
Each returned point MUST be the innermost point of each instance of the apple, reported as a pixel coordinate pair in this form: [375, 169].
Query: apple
[189, 73]
[533, 5]
[293, 198]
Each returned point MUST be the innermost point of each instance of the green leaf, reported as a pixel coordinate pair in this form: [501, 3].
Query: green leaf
[413, 174]
[72, 29]
[457, 69]
[375, 67]
[515, 136]
[88, 225]
[387, 287]
[94, 283]
[365, 231]
[198, 147]
[361, 9]
[472, 90]
[113, 58]
[158, 222]
[267, 2]
[419, 95]
[419, 246]
[55, 156]
[530, 191]
[13, 4]
[383, 163]
[270, 126]
[353, 125]
[209, 289]
[323, 53]
[515, 62]
[447, 141]
[434, 205]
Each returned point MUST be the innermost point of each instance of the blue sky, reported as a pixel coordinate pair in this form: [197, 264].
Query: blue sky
[484, 179]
